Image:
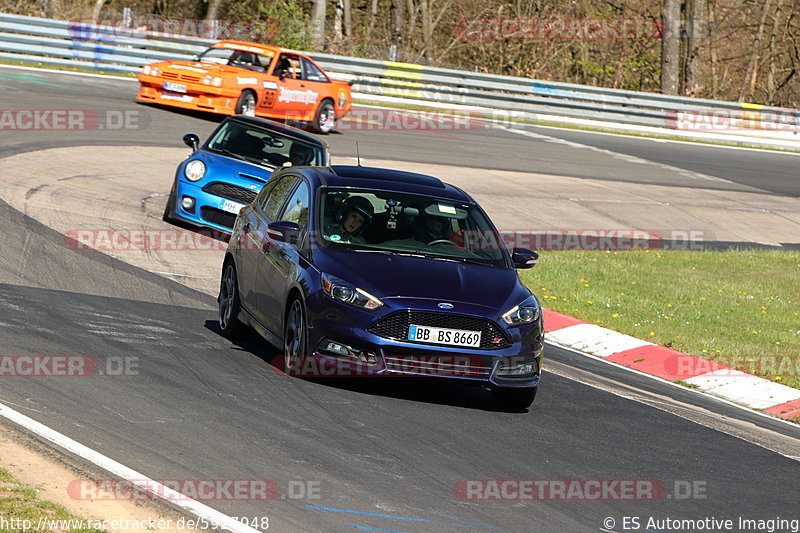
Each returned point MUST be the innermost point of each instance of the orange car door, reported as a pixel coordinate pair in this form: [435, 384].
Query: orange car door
[296, 97]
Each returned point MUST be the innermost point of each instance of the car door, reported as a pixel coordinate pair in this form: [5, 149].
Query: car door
[297, 98]
[265, 210]
[280, 261]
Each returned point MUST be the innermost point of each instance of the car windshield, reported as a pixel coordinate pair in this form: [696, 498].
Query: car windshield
[220, 56]
[239, 58]
[401, 223]
[263, 146]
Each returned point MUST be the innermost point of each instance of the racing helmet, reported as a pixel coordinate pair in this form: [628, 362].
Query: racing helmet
[300, 154]
[360, 205]
[431, 228]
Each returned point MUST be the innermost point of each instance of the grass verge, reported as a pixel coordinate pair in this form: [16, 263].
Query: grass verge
[20, 507]
[740, 308]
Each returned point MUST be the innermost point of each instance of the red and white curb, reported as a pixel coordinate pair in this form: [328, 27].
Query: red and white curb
[707, 376]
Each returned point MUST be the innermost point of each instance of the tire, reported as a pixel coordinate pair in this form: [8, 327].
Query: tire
[246, 105]
[229, 302]
[325, 118]
[295, 337]
[169, 210]
[514, 398]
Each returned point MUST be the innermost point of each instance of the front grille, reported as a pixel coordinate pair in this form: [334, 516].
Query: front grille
[181, 77]
[467, 367]
[231, 192]
[395, 326]
[217, 216]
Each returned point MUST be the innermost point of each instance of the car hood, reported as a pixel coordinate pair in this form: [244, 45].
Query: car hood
[394, 277]
[197, 68]
[220, 166]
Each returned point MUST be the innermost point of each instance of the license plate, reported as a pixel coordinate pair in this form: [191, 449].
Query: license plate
[450, 337]
[174, 87]
[231, 207]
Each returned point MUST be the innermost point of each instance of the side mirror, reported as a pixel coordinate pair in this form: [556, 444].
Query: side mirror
[284, 231]
[191, 140]
[524, 258]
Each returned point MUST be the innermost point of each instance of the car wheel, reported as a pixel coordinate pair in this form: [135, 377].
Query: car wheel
[514, 398]
[229, 303]
[169, 210]
[325, 119]
[246, 105]
[294, 337]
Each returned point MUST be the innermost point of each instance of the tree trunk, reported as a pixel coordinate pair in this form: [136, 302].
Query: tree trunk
[373, 14]
[213, 10]
[427, 27]
[338, 16]
[318, 24]
[398, 21]
[670, 46]
[348, 18]
[712, 29]
[411, 32]
[98, 7]
[696, 26]
[752, 64]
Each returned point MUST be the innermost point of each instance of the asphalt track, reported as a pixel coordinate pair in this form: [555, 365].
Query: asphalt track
[386, 454]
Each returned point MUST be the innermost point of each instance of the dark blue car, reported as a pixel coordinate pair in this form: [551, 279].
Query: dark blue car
[366, 271]
[226, 173]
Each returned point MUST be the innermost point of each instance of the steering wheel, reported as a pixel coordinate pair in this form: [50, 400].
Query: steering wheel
[441, 241]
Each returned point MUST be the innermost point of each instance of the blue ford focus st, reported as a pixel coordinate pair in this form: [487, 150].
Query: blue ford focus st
[380, 272]
[218, 179]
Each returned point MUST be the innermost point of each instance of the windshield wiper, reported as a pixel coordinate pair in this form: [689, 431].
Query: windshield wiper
[426, 256]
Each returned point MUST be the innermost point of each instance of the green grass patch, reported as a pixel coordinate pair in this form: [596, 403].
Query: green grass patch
[740, 308]
[19, 503]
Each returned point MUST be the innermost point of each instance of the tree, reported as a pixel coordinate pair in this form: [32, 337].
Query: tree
[670, 46]
[696, 29]
[318, 24]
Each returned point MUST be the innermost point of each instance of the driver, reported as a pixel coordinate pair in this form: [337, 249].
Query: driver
[431, 228]
[301, 154]
[353, 216]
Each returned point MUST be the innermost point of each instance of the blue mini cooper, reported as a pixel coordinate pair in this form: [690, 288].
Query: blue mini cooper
[366, 271]
[218, 179]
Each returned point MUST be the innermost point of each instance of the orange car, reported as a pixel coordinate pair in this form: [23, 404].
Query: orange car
[236, 77]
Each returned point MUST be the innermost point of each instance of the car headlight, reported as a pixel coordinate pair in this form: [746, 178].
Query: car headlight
[207, 79]
[155, 71]
[345, 292]
[217, 81]
[524, 313]
[194, 170]
[146, 70]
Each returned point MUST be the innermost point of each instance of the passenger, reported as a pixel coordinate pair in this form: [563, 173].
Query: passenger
[352, 218]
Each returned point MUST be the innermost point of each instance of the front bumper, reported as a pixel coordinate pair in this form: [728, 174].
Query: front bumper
[208, 209]
[374, 355]
[202, 99]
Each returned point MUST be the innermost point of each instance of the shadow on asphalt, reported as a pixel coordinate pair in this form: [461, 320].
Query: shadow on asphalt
[437, 391]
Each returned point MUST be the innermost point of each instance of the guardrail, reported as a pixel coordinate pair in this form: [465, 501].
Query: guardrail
[111, 49]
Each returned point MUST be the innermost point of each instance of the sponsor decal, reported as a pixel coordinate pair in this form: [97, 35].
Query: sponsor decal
[187, 67]
[302, 97]
[342, 98]
[246, 81]
[245, 48]
[271, 85]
